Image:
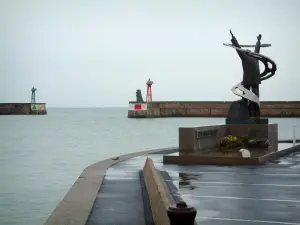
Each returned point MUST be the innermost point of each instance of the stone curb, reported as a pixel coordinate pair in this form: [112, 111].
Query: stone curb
[199, 160]
[159, 196]
[225, 161]
[278, 154]
[76, 206]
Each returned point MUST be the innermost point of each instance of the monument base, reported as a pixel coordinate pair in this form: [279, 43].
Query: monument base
[220, 144]
[249, 121]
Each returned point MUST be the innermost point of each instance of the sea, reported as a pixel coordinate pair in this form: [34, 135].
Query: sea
[42, 156]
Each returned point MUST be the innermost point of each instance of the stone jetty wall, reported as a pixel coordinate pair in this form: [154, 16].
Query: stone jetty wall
[23, 109]
[210, 109]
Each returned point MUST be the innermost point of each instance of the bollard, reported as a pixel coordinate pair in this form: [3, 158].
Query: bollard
[294, 135]
[181, 214]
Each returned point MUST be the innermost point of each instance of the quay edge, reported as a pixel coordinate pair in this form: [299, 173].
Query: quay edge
[23, 109]
[157, 109]
[76, 206]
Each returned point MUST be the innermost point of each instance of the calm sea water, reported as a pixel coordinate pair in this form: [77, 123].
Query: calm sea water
[42, 156]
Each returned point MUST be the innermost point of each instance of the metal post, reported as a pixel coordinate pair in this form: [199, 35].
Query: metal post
[182, 214]
[294, 135]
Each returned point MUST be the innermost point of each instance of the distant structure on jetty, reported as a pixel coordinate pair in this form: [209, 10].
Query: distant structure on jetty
[149, 90]
[158, 109]
[31, 108]
[155, 109]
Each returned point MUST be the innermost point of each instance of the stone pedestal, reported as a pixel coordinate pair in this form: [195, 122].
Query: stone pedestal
[249, 121]
[200, 139]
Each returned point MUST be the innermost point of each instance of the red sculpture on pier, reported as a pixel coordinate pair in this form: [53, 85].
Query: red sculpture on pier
[149, 91]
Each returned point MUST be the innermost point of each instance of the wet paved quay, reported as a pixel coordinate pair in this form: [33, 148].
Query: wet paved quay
[120, 198]
[267, 194]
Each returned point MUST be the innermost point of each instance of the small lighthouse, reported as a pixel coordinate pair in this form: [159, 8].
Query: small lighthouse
[149, 91]
[33, 90]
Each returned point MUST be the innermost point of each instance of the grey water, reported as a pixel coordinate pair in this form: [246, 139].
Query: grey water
[42, 156]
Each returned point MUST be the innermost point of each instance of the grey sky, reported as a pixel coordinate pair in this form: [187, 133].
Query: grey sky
[97, 53]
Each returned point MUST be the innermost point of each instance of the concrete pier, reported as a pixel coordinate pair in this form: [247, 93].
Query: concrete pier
[271, 189]
[23, 109]
[265, 194]
[207, 109]
[76, 207]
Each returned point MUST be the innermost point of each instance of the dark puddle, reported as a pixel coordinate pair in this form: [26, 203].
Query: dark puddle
[185, 180]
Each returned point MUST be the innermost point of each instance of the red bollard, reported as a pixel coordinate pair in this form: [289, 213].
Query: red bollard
[181, 214]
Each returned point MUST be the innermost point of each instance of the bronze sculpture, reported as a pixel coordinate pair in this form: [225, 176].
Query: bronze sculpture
[249, 107]
[139, 97]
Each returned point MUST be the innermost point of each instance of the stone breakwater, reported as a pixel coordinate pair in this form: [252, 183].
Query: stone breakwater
[23, 109]
[207, 109]
[76, 206]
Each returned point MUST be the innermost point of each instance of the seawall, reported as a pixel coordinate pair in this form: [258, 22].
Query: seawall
[207, 109]
[75, 207]
[23, 109]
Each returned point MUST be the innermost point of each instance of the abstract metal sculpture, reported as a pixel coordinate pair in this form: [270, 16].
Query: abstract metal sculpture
[249, 106]
[139, 97]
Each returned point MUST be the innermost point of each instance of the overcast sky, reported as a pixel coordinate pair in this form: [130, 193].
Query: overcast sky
[97, 53]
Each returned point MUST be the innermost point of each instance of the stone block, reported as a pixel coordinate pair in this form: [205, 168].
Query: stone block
[159, 197]
[199, 139]
[137, 113]
[218, 112]
[153, 112]
[190, 112]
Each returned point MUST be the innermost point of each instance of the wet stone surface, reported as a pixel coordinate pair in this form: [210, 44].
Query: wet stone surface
[119, 201]
[268, 194]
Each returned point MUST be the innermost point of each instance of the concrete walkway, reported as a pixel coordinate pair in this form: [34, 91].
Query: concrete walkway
[120, 200]
[267, 194]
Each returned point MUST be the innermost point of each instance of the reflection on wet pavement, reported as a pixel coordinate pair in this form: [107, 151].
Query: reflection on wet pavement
[185, 180]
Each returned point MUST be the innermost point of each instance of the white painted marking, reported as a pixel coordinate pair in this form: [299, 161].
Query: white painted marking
[131, 107]
[239, 198]
[120, 178]
[232, 183]
[238, 173]
[244, 220]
